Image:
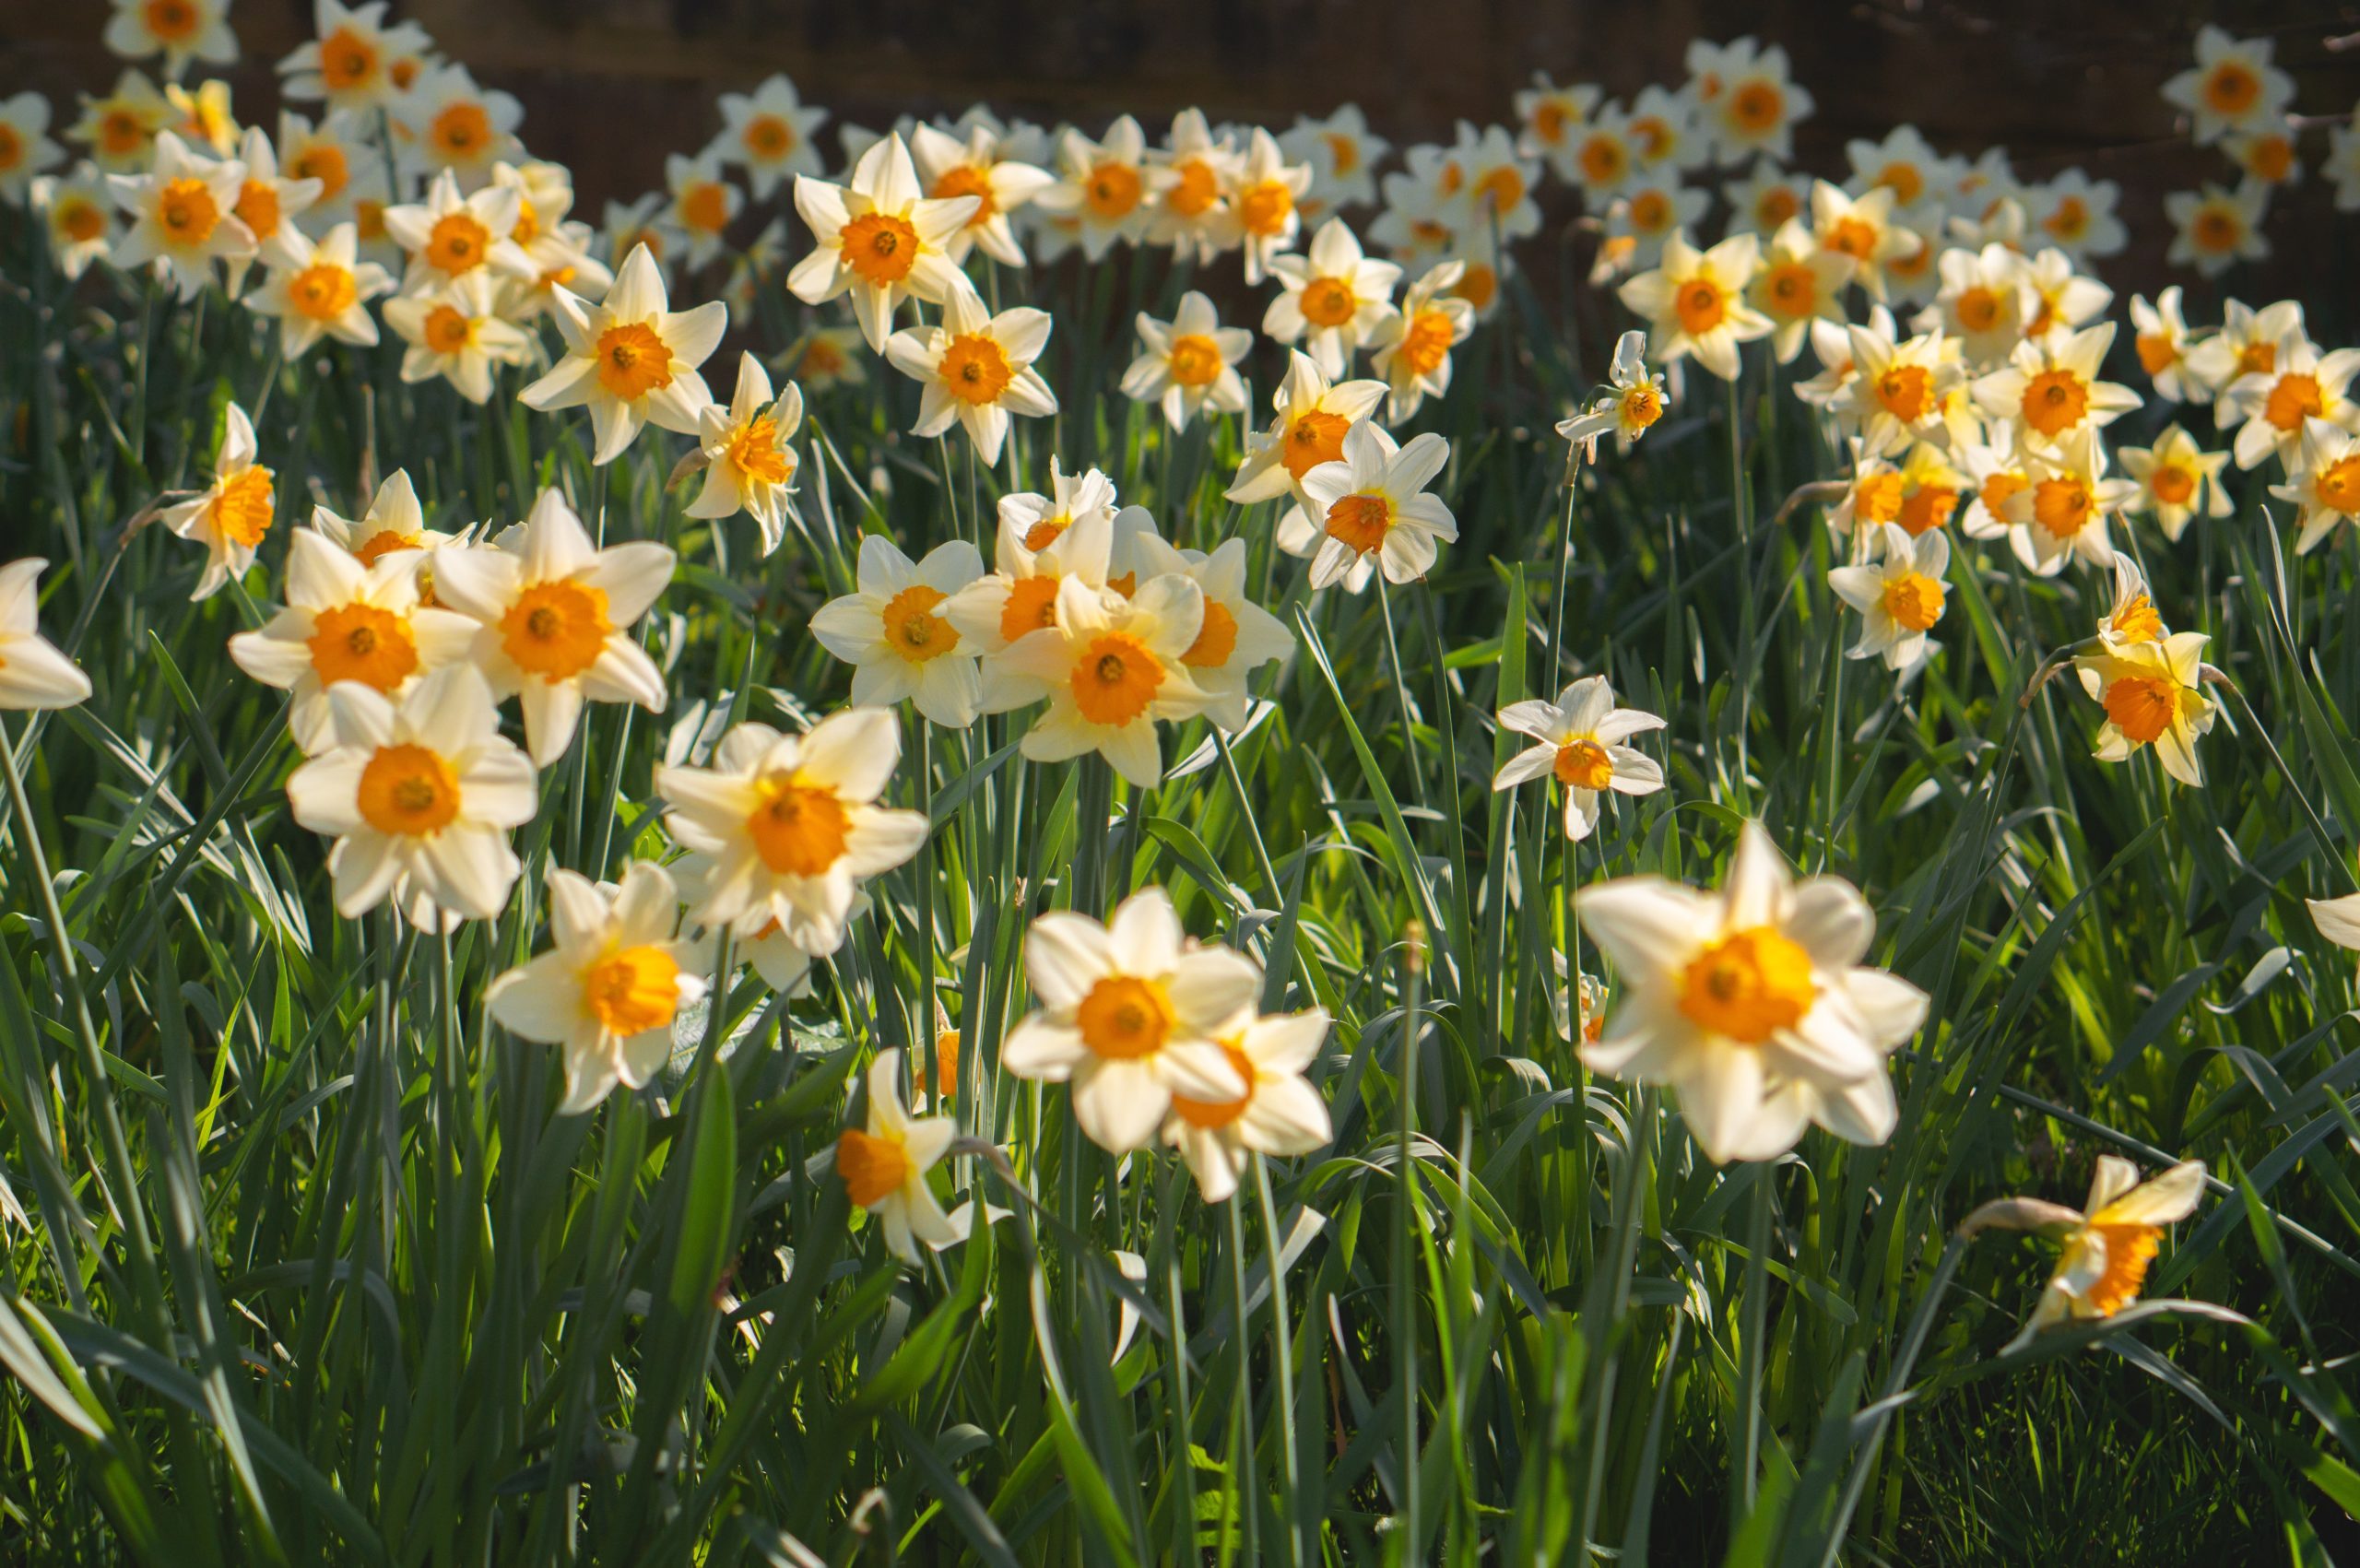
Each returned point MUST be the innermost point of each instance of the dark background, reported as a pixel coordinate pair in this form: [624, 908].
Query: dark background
[610, 86]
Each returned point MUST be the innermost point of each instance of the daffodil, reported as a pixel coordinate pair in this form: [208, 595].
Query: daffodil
[2245, 342]
[1579, 741]
[2064, 299]
[890, 628]
[25, 149]
[2159, 337]
[2131, 615]
[1860, 228]
[2109, 1242]
[1330, 298]
[1189, 179]
[880, 240]
[1342, 154]
[791, 825]
[1642, 220]
[1102, 187]
[184, 214]
[1370, 510]
[1237, 635]
[338, 155]
[1766, 198]
[2051, 390]
[616, 975]
[983, 161]
[1900, 593]
[1314, 412]
[1756, 103]
[823, 357]
[344, 621]
[1110, 668]
[1189, 364]
[457, 128]
[455, 332]
[1695, 302]
[449, 236]
[885, 1160]
[2215, 227]
[233, 511]
[704, 201]
[1410, 347]
[2233, 87]
[1042, 541]
[2177, 481]
[768, 132]
[79, 215]
[1983, 301]
[350, 60]
[1280, 1112]
[1131, 1013]
[1904, 162]
[1801, 281]
[1266, 198]
[639, 225]
[2060, 513]
[1752, 1003]
[975, 370]
[1552, 115]
[2077, 214]
[554, 614]
[1895, 392]
[179, 31]
[393, 521]
[2323, 482]
[33, 672]
[632, 358]
[1630, 405]
[420, 797]
[2153, 695]
[119, 127]
[749, 463]
[2301, 384]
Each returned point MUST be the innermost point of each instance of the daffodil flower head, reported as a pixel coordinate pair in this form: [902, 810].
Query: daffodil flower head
[2109, 1242]
[1900, 593]
[616, 976]
[1695, 302]
[1410, 347]
[1629, 405]
[184, 214]
[1752, 1003]
[1314, 412]
[1131, 1013]
[880, 238]
[1373, 511]
[351, 60]
[884, 1163]
[1237, 635]
[975, 370]
[1189, 364]
[319, 291]
[2154, 696]
[33, 672]
[1330, 298]
[751, 465]
[982, 162]
[893, 631]
[456, 333]
[632, 358]
[1280, 1112]
[179, 31]
[230, 516]
[1579, 740]
[1110, 668]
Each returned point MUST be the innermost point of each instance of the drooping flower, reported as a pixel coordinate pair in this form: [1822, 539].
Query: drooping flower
[2109, 1242]
[632, 358]
[1280, 1112]
[1579, 741]
[419, 795]
[1371, 509]
[975, 370]
[880, 240]
[2153, 695]
[184, 214]
[892, 630]
[884, 1164]
[1331, 298]
[1129, 1015]
[615, 976]
[320, 291]
[1189, 364]
[749, 464]
[554, 614]
[347, 621]
[1900, 593]
[234, 513]
[791, 825]
[1752, 1003]
[33, 672]
[1629, 406]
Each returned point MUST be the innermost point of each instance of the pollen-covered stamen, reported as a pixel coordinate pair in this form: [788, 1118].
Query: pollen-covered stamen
[1116, 678]
[976, 369]
[754, 451]
[912, 628]
[1583, 763]
[2128, 1249]
[634, 361]
[1642, 405]
[1125, 1018]
[1748, 986]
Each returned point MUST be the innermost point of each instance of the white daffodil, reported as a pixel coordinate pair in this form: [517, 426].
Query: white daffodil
[1280, 1112]
[319, 291]
[2245, 342]
[1129, 1016]
[614, 977]
[2130, 617]
[768, 132]
[1628, 408]
[1313, 414]
[267, 203]
[790, 825]
[455, 127]
[749, 464]
[233, 511]
[2323, 483]
[1330, 298]
[1042, 542]
[2052, 390]
[351, 61]
[703, 202]
[2160, 336]
[2233, 87]
[1189, 363]
[179, 31]
[1766, 198]
[884, 1164]
[1110, 669]
[2301, 384]
[1861, 229]
[2214, 227]
[455, 332]
[1755, 102]
[25, 147]
[1695, 302]
[2062, 510]
[1101, 187]
[880, 240]
[892, 631]
[632, 358]
[1897, 392]
[1265, 197]
[1801, 281]
[975, 370]
[2109, 1240]
[449, 236]
[420, 797]
[348, 621]
[981, 162]
[1900, 593]
[1341, 153]
[393, 521]
[1410, 347]
[184, 214]
[1752, 1003]
[1371, 509]
[1189, 179]
[119, 127]
[1551, 115]
[2177, 479]
[33, 672]
[2153, 695]
[554, 614]
[1237, 636]
[1983, 301]
[79, 215]
[1579, 742]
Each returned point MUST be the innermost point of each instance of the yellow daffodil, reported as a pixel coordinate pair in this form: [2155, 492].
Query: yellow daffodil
[455, 332]
[749, 463]
[1900, 593]
[232, 514]
[1695, 302]
[1189, 364]
[975, 370]
[2177, 479]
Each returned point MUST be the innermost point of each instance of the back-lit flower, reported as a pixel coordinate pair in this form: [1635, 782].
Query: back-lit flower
[1579, 741]
[25, 149]
[1695, 302]
[750, 464]
[1237, 635]
[982, 162]
[120, 126]
[455, 127]
[1314, 412]
[1189, 364]
[975, 370]
[2154, 696]
[892, 630]
[1331, 298]
[79, 214]
[1410, 347]
[1101, 187]
[1280, 1112]
[2323, 482]
[1629, 406]
[33, 672]
[2177, 480]
[884, 1162]
[1900, 592]
[2232, 88]
[632, 358]
[1371, 511]
[768, 132]
[232, 514]
[179, 31]
[184, 214]
[880, 240]
[2215, 227]
[1109, 666]
[2109, 1242]
[319, 291]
